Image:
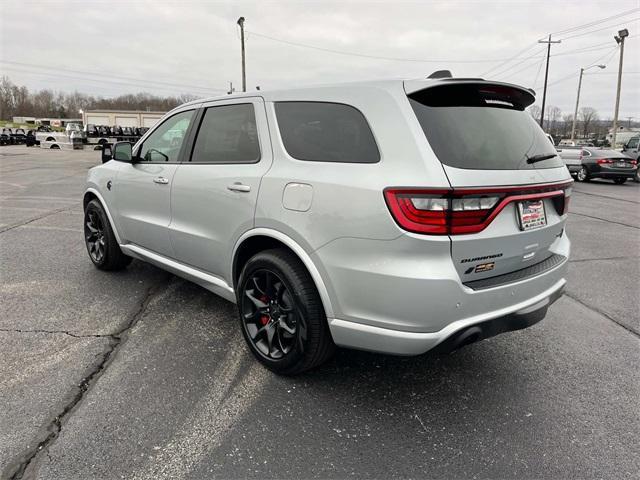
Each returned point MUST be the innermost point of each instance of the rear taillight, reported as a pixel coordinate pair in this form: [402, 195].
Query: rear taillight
[632, 162]
[460, 211]
[601, 161]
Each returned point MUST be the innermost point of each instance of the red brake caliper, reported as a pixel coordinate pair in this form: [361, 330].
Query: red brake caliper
[264, 319]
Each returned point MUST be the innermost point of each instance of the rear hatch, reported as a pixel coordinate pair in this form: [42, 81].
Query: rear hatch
[509, 187]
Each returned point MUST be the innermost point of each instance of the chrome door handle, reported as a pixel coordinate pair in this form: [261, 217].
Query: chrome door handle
[161, 180]
[238, 187]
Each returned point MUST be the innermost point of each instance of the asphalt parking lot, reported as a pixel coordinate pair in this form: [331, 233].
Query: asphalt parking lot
[139, 374]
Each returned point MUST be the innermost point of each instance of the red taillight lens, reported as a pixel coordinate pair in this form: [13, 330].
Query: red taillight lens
[633, 162]
[459, 211]
[601, 161]
[420, 211]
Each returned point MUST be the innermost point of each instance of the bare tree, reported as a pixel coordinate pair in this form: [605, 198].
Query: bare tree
[19, 101]
[535, 112]
[553, 115]
[567, 122]
[588, 116]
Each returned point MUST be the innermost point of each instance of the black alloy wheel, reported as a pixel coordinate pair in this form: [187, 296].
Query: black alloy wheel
[94, 236]
[620, 180]
[281, 315]
[270, 317]
[100, 240]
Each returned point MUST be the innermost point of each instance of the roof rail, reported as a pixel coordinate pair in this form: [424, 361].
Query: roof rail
[441, 74]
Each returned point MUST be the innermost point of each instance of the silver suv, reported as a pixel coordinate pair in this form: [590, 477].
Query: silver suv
[392, 216]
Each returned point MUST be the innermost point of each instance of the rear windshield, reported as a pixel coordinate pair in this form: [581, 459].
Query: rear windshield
[482, 127]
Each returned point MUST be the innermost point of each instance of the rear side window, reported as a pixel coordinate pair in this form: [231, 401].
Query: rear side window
[482, 127]
[326, 132]
[227, 134]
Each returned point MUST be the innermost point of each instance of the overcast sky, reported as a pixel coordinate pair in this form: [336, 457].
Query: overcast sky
[173, 47]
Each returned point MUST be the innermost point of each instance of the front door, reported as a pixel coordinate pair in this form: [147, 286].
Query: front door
[143, 189]
[215, 191]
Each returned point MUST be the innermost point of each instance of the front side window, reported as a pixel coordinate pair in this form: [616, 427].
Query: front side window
[164, 144]
[326, 132]
[227, 134]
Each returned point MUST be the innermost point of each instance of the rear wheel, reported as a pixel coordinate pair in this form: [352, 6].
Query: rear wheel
[281, 314]
[101, 243]
[583, 175]
[619, 181]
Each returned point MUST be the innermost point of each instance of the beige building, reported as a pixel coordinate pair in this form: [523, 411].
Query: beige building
[122, 118]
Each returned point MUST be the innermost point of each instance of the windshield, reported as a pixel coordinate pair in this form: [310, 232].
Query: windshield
[482, 127]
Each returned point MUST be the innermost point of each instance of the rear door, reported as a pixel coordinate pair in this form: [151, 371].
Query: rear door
[215, 190]
[508, 183]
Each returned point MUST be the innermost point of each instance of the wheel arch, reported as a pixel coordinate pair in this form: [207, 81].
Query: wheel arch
[260, 239]
[93, 194]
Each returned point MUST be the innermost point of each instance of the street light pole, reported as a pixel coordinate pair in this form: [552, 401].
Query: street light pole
[244, 75]
[622, 34]
[575, 113]
[546, 76]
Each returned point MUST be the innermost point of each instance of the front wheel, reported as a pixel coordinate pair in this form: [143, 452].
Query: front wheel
[619, 181]
[583, 175]
[101, 243]
[281, 314]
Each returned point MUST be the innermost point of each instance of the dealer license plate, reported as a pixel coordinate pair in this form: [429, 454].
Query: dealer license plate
[531, 214]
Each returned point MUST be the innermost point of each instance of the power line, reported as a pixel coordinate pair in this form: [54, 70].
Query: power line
[571, 29]
[103, 82]
[363, 55]
[102, 75]
[618, 24]
[517, 55]
[495, 74]
[595, 22]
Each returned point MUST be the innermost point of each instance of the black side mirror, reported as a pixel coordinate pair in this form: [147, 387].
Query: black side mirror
[122, 152]
[106, 152]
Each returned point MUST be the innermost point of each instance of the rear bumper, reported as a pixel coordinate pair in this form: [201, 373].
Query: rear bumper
[607, 172]
[412, 300]
[454, 335]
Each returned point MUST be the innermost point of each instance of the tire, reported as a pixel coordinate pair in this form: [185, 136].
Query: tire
[55, 147]
[583, 175]
[619, 181]
[287, 308]
[101, 243]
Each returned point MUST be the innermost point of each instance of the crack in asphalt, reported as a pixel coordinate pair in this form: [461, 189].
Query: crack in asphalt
[602, 219]
[33, 219]
[16, 470]
[604, 314]
[62, 332]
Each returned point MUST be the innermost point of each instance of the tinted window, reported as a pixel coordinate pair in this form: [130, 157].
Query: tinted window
[227, 134]
[163, 145]
[326, 132]
[479, 126]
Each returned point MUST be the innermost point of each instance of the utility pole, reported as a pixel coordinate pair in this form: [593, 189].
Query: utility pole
[575, 113]
[546, 76]
[244, 75]
[622, 34]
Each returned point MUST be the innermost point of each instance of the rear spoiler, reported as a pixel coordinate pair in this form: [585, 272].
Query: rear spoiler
[413, 86]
